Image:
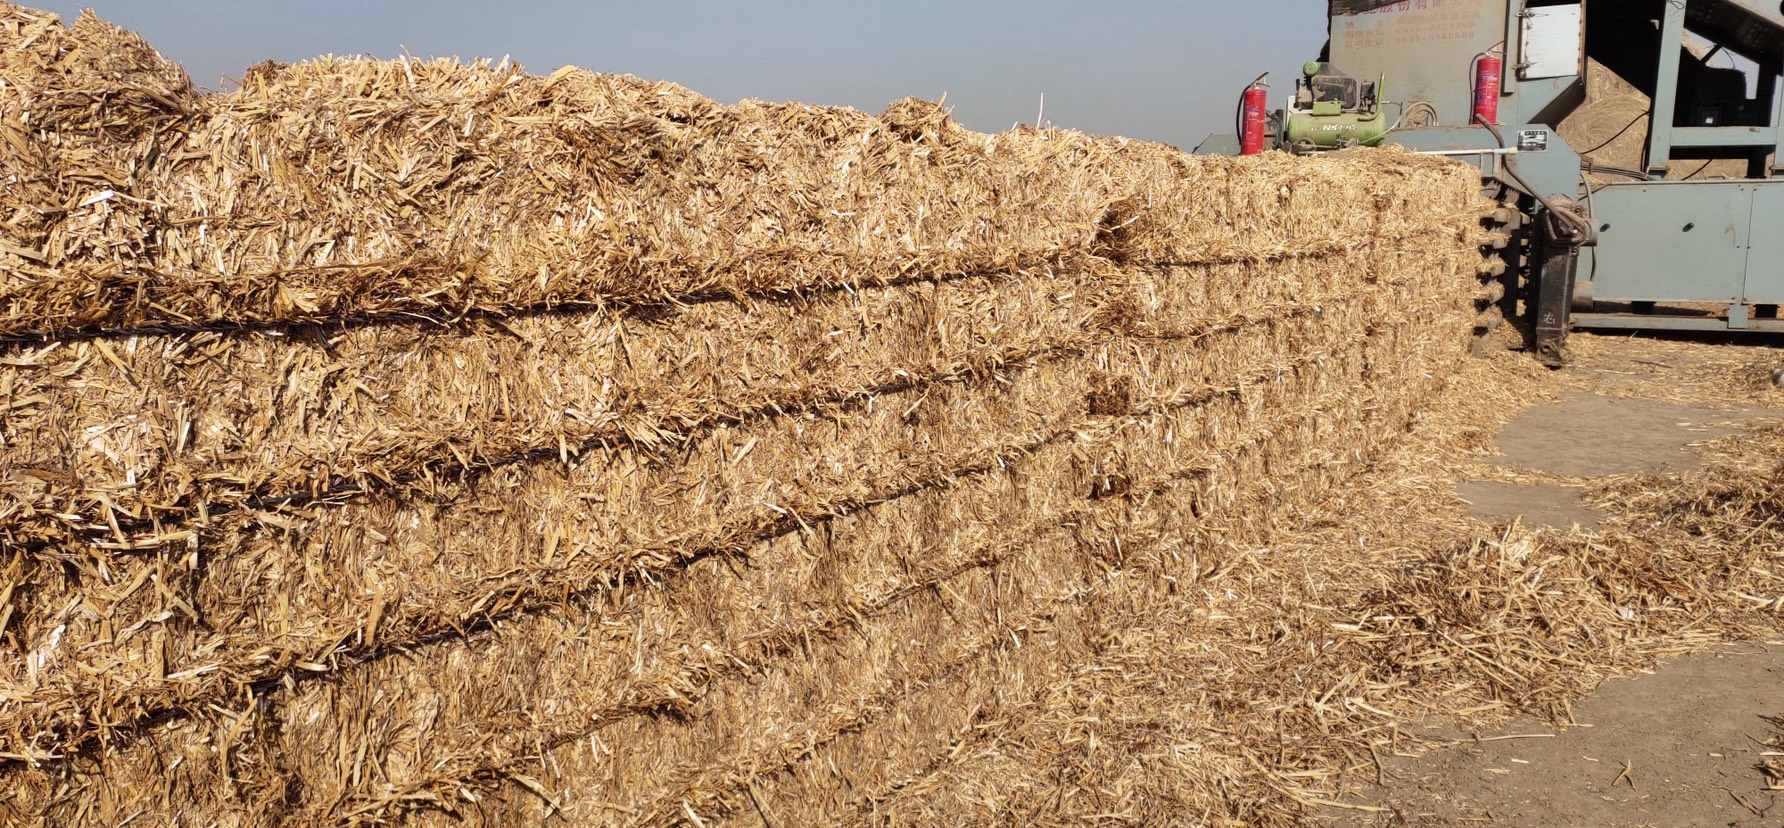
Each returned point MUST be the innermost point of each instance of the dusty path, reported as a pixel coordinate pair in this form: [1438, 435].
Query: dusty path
[1589, 436]
[1684, 745]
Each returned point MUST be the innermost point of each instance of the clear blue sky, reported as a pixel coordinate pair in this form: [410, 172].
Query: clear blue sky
[1166, 71]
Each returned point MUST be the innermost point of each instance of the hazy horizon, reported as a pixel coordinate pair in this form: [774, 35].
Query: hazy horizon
[1146, 69]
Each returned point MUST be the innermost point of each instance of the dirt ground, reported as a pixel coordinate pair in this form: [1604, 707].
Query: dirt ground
[1681, 746]
[1589, 436]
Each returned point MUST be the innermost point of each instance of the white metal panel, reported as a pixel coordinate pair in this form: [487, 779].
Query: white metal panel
[1554, 42]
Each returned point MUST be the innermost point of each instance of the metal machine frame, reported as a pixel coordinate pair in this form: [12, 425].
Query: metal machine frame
[1631, 254]
[1703, 242]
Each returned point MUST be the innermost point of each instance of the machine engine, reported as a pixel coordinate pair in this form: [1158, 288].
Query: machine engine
[1332, 110]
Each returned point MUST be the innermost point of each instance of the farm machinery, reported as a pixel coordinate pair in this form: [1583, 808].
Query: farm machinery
[1579, 242]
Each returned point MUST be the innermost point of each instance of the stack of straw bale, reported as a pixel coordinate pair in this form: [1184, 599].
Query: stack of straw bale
[383, 439]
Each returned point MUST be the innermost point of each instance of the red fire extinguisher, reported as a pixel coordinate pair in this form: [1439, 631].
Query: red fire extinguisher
[1488, 73]
[1251, 116]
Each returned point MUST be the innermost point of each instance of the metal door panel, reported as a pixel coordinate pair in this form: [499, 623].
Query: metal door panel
[1554, 42]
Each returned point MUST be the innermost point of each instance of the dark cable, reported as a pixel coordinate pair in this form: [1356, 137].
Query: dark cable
[1630, 126]
[1625, 172]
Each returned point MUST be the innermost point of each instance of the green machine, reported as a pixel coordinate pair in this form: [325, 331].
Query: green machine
[1332, 110]
[1671, 221]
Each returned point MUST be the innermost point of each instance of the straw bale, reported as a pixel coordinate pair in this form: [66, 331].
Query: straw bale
[405, 187]
[1254, 412]
[1009, 498]
[1191, 707]
[110, 439]
[1003, 202]
[975, 704]
[408, 437]
[739, 482]
[86, 113]
[166, 423]
[880, 737]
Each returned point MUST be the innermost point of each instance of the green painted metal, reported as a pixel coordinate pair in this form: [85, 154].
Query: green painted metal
[1428, 49]
[1769, 91]
[1554, 172]
[1665, 104]
[1736, 136]
[1683, 241]
[1754, 28]
[1765, 261]
[1640, 322]
[1322, 131]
